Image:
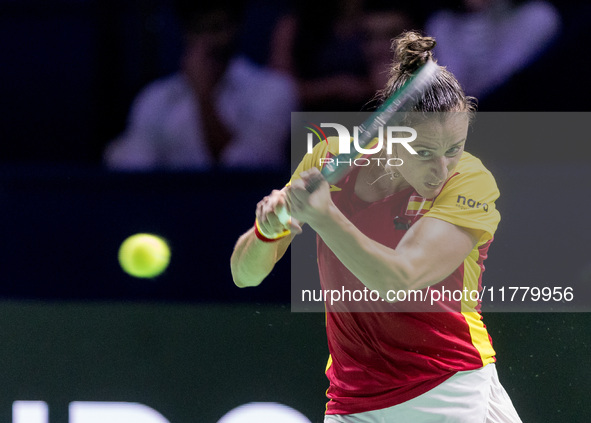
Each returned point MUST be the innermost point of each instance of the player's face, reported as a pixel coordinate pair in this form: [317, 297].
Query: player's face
[439, 146]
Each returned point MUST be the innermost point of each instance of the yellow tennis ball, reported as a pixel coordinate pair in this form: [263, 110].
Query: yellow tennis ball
[144, 255]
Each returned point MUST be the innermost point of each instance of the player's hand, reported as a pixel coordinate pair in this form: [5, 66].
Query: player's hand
[271, 212]
[309, 197]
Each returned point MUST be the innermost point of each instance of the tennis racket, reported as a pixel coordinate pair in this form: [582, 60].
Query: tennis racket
[403, 99]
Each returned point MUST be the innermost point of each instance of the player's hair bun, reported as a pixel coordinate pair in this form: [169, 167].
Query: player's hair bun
[412, 51]
[443, 94]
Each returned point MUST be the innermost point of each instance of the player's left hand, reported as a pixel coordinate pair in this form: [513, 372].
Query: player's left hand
[309, 197]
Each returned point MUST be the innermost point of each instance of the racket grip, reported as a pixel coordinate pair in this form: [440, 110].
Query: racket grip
[313, 183]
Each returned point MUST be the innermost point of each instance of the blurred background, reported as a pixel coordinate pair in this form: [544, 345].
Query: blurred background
[173, 117]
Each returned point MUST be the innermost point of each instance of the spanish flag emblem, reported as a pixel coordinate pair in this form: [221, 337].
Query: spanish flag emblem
[418, 206]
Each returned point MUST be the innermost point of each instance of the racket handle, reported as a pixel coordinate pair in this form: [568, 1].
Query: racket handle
[314, 182]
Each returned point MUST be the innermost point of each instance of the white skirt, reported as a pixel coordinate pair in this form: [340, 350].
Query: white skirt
[474, 396]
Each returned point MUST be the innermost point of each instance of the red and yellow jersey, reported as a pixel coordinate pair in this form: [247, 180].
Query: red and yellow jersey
[380, 359]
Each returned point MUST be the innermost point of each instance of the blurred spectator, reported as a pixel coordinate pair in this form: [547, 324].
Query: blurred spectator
[344, 60]
[524, 93]
[331, 63]
[491, 40]
[220, 107]
[380, 26]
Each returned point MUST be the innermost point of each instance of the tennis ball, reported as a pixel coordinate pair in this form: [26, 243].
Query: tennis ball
[144, 255]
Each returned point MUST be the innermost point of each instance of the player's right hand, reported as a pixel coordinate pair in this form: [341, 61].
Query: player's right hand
[268, 213]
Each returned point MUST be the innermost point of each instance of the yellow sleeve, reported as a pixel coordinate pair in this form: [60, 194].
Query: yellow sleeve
[468, 198]
[313, 160]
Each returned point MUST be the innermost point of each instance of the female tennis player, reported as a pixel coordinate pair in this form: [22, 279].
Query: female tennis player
[423, 226]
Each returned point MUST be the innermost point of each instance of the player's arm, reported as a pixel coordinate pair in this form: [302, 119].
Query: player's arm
[253, 259]
[429, 252]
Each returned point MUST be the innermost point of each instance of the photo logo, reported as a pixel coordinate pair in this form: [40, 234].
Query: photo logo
[392, 137]
[315, 131]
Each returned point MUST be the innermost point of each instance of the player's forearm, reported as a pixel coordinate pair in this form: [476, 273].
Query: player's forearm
[253, 260]
[378, 267]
